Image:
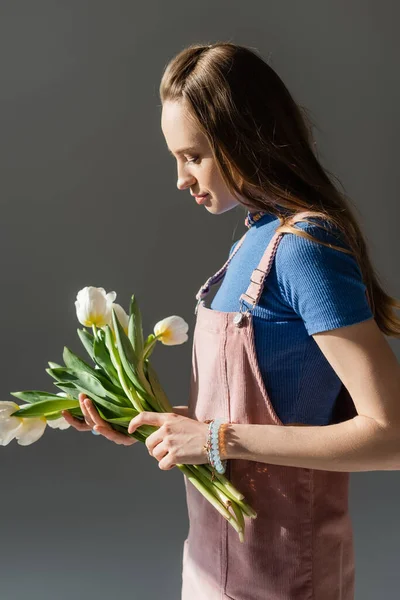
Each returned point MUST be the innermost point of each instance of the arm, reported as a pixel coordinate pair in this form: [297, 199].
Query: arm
[364, 361]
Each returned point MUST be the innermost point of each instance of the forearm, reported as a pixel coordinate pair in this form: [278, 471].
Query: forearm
[359, 444]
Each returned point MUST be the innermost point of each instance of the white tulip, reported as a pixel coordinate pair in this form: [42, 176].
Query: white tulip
[26, 431]
[171, 331]
[93, 306]
[122, 317]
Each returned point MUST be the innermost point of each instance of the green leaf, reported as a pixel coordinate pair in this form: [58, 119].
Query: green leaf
[114, 409]
[120, 411]
[32, 396]
[128, 358]
[102, 358]
[137, 397]
[123, 420]
[68, 388]
[54, 416]
[87, 340]
[40, 409]
[54, 365]
[99, 339]
[78, 365]
[88, 384]
[138, 435]
[135, 329]
[128, 387]
[61, 374]
[72, 361]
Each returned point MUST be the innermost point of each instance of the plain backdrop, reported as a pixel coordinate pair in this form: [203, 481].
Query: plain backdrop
[89, 197]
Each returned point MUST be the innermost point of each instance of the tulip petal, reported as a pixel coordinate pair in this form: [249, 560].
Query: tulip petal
[172, 330]
[60, 423]
[7, 408]
[111, 297]
[122, 317]
[9, 427]
[32, 428]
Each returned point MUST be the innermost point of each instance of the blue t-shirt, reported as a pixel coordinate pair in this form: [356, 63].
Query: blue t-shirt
[310, 288]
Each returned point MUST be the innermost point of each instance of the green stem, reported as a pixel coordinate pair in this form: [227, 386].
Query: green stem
[240, 519]
[209, 496]
[228, 502]
[228, 489]
[213, 491]
[148, 349]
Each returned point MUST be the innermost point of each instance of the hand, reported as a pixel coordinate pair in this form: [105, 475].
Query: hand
[94, 421]
[178, 440]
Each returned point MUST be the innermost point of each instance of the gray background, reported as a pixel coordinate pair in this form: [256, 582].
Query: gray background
[89, 197]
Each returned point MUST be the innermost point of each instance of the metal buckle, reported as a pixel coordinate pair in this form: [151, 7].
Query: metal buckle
[238, 319]
[243, 312]
[248, 309]
[257, 282]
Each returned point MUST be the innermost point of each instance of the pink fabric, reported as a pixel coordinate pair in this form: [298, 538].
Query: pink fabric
[300, 546]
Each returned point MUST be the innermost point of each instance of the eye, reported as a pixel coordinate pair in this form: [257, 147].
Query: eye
[193, 160]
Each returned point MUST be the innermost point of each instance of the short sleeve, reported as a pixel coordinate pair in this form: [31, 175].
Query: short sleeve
[324, 286]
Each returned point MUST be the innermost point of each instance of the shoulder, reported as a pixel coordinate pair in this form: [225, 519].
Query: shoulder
[296, 251]
[322, 284]
[320, 229]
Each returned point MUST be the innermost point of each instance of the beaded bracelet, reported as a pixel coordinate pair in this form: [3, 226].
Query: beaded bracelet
[215, 426]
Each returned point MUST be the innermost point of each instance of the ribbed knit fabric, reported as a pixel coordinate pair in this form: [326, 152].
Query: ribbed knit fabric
[310, 288]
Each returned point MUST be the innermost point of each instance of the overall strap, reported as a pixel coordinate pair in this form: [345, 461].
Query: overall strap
[254, 291]
[205, 288]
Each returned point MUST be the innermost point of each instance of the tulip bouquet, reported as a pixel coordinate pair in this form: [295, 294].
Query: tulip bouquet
[121, 384]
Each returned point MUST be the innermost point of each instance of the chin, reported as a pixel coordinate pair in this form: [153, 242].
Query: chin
[219, 210]
[214, 210]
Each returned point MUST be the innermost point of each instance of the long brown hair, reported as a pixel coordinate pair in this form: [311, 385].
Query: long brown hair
[263, 146]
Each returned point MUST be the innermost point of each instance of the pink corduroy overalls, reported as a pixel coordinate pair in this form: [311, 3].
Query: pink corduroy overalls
[300, 546]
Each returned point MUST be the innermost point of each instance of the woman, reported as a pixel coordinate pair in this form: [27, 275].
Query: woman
[293, 337]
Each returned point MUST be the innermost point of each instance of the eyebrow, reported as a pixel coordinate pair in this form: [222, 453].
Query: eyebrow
[183, 150]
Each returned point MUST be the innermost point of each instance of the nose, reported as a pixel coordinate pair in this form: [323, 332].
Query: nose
[185, 182]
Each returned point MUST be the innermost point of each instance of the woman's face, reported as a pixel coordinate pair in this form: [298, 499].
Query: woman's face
[196, 166]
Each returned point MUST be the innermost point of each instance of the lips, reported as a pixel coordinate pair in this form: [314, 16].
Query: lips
[201, 199]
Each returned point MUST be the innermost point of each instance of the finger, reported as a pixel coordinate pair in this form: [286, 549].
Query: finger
[160, 451]
[148, 418]
[79, 425]
[165, 463]
[86, 414]
[94, 415]
[153, 440]
[115, 436]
